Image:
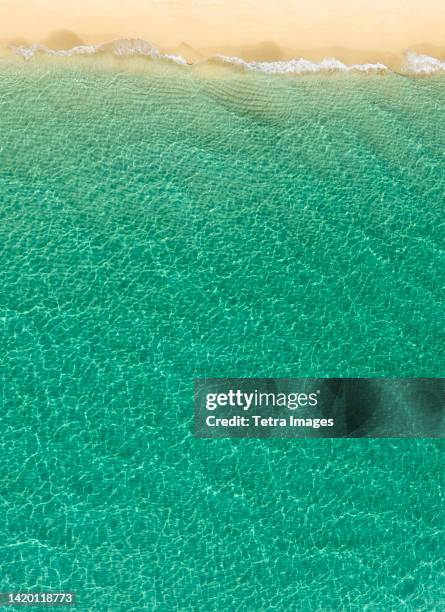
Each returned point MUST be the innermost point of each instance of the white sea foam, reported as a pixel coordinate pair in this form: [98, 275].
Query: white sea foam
[178, 59]
[121, 48]
[302, 66]
[415, 64]
[422, 64]
[31, 51]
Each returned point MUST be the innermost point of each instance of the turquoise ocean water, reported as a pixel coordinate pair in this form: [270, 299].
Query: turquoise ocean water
[169, 223]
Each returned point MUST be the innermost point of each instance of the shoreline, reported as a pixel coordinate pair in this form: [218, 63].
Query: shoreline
[266, 51]
[324, 60]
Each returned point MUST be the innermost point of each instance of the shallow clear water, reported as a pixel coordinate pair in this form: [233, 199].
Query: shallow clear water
[163, 226]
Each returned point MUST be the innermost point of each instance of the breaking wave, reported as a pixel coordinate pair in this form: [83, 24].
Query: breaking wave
[121, 48]
[422, 64]
[303, 66]
[415, 64]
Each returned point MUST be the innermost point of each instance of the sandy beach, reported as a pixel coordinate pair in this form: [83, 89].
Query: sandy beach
[361, 31]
